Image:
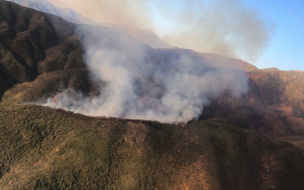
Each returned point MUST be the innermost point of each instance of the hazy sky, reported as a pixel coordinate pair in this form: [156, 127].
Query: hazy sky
[286, 48]
[283, 50]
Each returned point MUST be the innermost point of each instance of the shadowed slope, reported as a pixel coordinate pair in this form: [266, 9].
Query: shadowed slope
[32, 43]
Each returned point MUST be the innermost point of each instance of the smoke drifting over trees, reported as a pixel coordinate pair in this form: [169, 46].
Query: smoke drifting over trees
[139, 82]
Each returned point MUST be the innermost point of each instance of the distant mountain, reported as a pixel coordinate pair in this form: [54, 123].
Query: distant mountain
[47, 7]
[146, 36]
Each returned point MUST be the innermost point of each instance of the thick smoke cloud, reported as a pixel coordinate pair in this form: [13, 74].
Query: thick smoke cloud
[139, 82]
[225, 27]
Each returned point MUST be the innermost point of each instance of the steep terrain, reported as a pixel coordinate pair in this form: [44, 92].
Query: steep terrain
[33, 43]
[36, 44]
[146, 36]
[43, 148]
[274, 104]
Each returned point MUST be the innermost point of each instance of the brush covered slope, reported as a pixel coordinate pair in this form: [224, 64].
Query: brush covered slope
[43, 148]
[274, 104]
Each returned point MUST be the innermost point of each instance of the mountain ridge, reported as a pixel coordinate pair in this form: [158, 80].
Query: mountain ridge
[47, 7]
[74, 17]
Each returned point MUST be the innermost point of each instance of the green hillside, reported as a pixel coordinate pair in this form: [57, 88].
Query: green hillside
[43, 148]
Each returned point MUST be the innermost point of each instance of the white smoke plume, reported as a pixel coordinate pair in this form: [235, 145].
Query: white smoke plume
[139, 82]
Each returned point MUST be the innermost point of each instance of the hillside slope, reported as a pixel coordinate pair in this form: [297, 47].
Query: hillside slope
[146, 36]
[274, 104]
[32, 43]
[41, 54]
[42, 148]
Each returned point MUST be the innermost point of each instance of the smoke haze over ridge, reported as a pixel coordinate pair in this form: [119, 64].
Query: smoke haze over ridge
[139, 82]
[225, 27]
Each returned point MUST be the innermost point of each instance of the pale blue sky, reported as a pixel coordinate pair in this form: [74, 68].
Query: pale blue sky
[286, 48]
